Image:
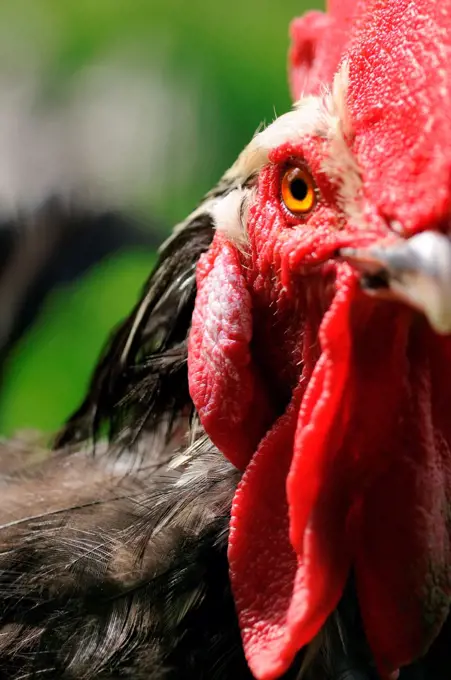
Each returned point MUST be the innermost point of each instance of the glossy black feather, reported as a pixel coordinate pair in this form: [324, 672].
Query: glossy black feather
[116, 575]
[142, 377]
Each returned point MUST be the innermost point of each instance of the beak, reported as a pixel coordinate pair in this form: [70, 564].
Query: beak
[416, 271]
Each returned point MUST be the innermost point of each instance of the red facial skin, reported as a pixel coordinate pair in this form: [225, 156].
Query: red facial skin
[337, 407]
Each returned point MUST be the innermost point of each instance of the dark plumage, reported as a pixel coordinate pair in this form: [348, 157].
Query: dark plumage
[142, 377]
[125, 581]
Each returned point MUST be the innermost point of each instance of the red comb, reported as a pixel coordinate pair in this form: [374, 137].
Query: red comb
[318, 42]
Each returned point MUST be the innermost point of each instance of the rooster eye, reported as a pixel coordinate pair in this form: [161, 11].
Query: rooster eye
[298, 191]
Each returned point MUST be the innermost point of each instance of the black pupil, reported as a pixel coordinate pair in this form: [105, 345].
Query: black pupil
[299, 189]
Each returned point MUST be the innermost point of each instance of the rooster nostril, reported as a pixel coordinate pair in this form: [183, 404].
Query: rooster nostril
[375, 281]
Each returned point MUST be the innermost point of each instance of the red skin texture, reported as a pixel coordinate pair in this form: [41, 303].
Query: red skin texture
[219, 345]
[399, 54]
[336, 407]
[399, 100]
[318, 41]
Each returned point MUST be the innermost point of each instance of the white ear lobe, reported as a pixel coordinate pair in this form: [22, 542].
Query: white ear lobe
[229, 214]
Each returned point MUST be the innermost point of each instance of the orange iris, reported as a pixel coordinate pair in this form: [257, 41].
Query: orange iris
[298, 191]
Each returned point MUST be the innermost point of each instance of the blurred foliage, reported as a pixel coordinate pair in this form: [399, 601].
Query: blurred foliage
[50, 367]
[233, 56]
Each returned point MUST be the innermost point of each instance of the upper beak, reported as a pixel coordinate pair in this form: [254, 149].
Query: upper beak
[416, 271]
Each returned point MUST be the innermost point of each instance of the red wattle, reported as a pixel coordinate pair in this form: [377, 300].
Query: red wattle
[262, 562]
[225, 385]
[403, 552]
[283, 596]
[324, 410]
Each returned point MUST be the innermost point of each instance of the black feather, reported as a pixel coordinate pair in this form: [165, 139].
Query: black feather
[129, 580]
[141, 380]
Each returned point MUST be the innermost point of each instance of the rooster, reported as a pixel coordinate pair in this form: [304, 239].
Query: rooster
[270, 485]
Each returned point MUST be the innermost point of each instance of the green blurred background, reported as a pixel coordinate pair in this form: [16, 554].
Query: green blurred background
[189, 83]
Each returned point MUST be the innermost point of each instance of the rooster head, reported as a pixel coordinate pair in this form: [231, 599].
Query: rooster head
[319, 353]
